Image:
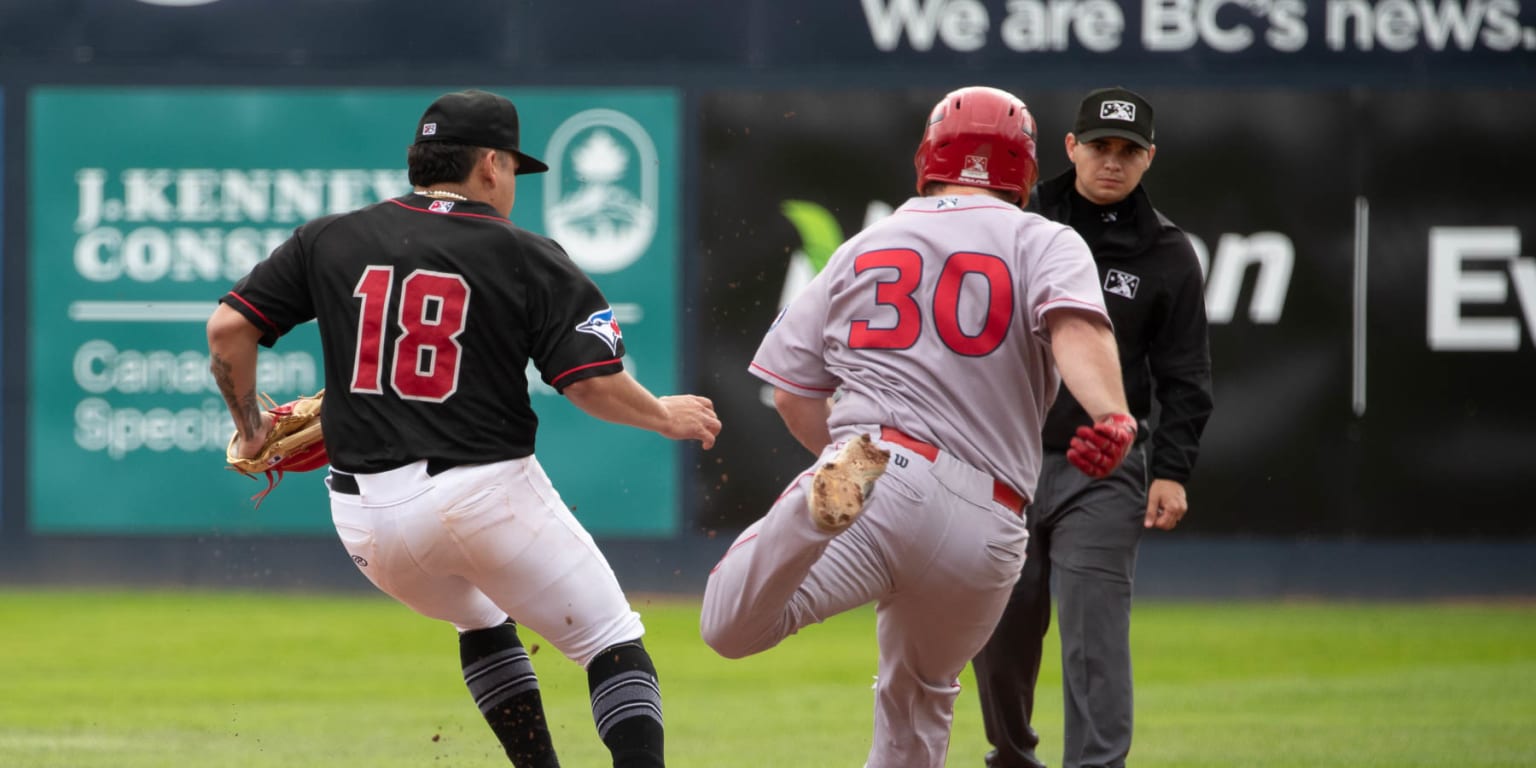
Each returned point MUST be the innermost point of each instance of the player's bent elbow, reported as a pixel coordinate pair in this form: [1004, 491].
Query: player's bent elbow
[579, 388]
[217, 326]
[226, 326]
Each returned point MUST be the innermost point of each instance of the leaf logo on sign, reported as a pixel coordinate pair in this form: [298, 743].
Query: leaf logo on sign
[601, 192]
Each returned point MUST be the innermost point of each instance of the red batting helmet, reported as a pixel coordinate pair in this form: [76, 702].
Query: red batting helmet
[981, 137]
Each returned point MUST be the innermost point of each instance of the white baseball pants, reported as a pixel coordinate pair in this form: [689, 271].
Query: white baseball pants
[476, 544]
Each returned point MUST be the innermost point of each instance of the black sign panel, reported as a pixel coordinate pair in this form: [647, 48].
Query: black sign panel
[1372, 308]
[822, 158]
[1448, 438]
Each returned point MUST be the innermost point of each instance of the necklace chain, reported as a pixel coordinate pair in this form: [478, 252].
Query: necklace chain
[441, 194]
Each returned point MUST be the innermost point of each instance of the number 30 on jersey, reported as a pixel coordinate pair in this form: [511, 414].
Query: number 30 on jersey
[897, 293]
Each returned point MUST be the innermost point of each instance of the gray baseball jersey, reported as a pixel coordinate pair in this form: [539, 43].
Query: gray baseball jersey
[933, 321]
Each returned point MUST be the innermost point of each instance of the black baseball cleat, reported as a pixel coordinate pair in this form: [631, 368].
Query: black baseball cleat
[842, 486]
[1027, 761]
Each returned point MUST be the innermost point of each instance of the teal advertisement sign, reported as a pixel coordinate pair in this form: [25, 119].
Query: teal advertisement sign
[146, 205]
[5, 382]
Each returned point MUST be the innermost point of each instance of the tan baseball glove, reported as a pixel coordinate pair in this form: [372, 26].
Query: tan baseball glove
[294, 444]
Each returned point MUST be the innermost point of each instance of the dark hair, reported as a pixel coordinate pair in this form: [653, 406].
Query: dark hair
[1005, 195]
[440, 162]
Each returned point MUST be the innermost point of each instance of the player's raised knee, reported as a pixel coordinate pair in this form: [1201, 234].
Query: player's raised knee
[729, 641]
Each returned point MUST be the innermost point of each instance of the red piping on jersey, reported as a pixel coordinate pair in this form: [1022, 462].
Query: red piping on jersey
[793, 483]
[743, 542]
[450, 213]
[966, 208]
[728, 552]
[252, 308]
[791, 383]
[582, 367]
[1050, 305]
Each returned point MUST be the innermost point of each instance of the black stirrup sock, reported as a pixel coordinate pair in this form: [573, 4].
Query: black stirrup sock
[501, 679]
[626, 705]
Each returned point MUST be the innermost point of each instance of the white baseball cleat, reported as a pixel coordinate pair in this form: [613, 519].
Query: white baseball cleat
[842, 486]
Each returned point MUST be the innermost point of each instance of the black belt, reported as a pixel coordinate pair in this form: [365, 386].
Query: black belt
[345, 482]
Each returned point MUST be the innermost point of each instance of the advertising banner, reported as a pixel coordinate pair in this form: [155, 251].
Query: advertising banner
[1370, 288]
[146, 205]
[1164, 40]
[826, 43]
[6, 382]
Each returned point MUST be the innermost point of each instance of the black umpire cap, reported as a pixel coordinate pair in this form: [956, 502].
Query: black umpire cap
[477, 119]
[1117, 112]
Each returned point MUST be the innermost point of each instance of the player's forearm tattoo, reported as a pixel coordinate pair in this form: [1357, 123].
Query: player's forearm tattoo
[244, 408]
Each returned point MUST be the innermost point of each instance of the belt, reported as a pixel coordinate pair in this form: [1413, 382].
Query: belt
[1002, 493]
[345, 482]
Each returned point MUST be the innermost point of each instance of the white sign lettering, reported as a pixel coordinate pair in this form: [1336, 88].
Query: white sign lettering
[229, 195]
[1053, 25]
[1403, 25]
[1273, 256]
[1223, 26]
[1454, 284]
[100, 367]
[961, 25]
[120, 226]
[99, 427]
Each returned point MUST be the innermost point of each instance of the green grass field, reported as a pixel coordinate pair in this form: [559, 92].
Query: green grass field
[133, 679]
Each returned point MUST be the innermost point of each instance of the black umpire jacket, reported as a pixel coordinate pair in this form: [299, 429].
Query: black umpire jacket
[1155, 293]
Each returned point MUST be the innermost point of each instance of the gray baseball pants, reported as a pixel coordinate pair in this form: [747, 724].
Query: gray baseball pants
[1083, 537]
[933, 550]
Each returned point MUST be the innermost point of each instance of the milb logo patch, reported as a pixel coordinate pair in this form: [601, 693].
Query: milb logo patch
[1118, 110]
[1121, 283]
[975, 168]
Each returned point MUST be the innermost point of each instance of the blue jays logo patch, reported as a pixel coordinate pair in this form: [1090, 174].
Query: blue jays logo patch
[602, 325]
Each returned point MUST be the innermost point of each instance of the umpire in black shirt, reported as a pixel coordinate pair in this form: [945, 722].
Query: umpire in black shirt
[1084, 533]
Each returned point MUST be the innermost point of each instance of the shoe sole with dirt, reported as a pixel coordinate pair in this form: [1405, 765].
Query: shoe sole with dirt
[842, 486]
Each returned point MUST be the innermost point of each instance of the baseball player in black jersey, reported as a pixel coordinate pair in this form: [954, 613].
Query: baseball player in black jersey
[430, 307]
[1084, 533]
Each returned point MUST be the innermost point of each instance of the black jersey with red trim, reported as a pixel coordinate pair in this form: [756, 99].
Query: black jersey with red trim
[430, 312]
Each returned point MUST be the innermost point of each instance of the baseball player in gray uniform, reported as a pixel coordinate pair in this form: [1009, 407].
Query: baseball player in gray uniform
[941, 330]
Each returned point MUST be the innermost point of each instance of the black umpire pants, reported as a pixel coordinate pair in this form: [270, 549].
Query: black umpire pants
[1083, 538]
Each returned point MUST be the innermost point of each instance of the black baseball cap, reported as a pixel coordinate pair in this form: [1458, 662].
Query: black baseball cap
[1117, 112]
[477, 119]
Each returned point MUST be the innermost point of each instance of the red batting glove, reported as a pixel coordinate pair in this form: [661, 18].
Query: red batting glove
[1098, 449]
